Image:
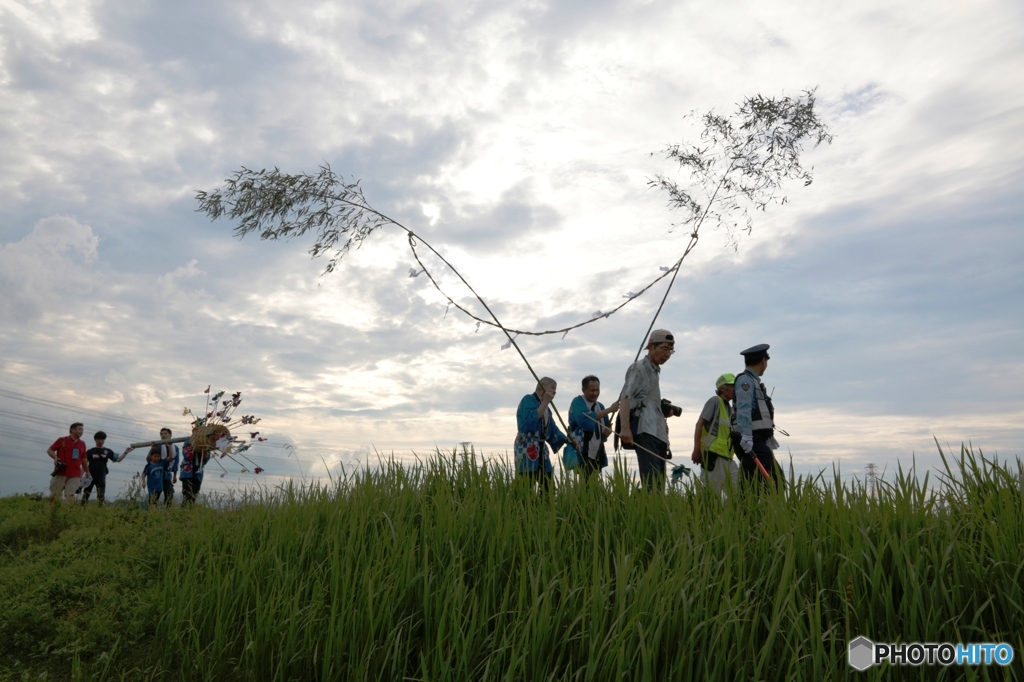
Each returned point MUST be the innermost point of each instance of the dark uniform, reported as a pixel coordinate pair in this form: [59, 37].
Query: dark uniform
[755, 422]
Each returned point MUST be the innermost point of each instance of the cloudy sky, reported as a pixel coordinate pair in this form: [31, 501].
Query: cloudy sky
[517, 137]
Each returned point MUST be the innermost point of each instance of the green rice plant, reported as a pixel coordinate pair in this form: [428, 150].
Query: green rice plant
[453, 569]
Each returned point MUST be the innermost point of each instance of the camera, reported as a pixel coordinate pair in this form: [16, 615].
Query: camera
[670, 410]
[58, 468]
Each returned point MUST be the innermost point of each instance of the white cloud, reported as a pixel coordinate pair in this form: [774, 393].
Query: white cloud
[432, 213]
[40, 272]
[516, 138]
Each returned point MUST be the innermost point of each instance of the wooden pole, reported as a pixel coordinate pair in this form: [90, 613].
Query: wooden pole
[165, 441]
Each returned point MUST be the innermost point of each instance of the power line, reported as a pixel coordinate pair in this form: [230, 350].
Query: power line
[15, 395]
[58, 424]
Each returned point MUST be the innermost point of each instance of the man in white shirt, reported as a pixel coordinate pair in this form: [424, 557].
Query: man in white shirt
[643, 422]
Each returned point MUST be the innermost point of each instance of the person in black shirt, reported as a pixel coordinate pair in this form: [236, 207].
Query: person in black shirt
[98, 457]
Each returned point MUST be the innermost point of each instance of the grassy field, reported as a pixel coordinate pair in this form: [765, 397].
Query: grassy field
[455, 571]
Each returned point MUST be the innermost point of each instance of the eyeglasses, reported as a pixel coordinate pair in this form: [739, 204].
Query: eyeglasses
[669, 348]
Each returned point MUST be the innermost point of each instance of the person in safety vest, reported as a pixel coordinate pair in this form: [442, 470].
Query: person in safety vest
[712, 438]
[754, 428]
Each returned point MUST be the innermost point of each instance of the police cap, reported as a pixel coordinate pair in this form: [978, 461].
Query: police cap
[754, 350]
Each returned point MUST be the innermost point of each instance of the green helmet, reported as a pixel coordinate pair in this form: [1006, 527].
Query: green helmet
[725, 380]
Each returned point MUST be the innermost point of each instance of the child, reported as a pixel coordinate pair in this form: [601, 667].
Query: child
[169, 456]
[154, 475]
[192, 464]
[98, 458]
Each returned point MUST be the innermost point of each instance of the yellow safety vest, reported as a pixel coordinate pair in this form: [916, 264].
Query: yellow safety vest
[718, 440]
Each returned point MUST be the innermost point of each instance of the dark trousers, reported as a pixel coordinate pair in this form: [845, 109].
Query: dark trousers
[539, 477]
[590, 467]
[764, 455]
[652, 469]
[189, 490]
[98, 482]
[168, 491]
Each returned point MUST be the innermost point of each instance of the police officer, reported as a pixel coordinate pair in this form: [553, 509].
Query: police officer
[754, 429]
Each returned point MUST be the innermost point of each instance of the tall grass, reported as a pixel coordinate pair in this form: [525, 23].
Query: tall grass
[454, 570]
[78, 584]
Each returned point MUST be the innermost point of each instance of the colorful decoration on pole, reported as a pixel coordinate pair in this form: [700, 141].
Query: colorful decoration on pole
[218, 434]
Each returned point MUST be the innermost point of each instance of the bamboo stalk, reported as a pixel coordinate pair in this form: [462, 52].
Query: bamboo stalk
[150, 443]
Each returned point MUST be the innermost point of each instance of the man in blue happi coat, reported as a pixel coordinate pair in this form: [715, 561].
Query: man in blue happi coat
[537, 431]
[590, 426]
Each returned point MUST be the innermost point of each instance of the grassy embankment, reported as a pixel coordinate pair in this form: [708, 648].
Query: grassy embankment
[451, 572]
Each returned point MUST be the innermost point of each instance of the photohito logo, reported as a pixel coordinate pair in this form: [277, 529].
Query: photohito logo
[863, 653]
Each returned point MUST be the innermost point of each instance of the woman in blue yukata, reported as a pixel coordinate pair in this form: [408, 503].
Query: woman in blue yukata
[537, 431]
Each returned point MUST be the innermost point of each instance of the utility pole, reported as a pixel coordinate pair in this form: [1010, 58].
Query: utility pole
[872, 480]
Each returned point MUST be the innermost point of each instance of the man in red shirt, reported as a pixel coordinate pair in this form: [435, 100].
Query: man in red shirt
[68, 451]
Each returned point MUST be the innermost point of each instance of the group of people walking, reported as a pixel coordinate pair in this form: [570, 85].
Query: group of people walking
[76, 469]
[737, 423]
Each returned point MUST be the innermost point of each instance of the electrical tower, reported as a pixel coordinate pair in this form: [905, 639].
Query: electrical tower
[872, 479]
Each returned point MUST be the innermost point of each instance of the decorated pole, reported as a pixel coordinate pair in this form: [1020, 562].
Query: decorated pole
[211, 434]
[165, 441]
